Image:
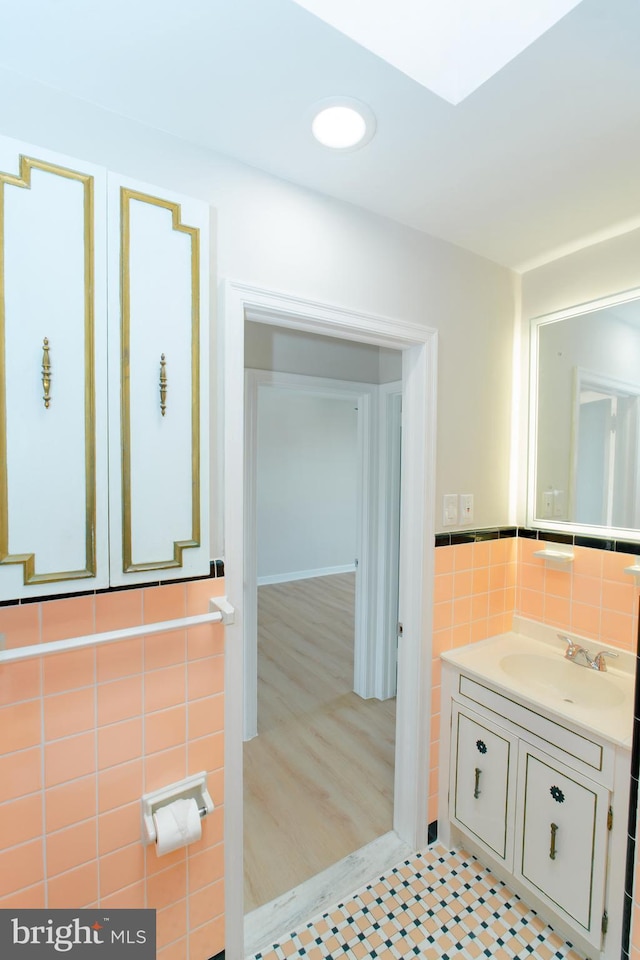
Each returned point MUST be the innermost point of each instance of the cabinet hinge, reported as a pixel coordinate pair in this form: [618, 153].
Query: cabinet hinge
[605, 921]
[610, 818]
[400, 630]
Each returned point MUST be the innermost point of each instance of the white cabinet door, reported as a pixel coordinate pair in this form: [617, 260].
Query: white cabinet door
[53, 470]
[482, 788]
[561, 840]
[158, 359]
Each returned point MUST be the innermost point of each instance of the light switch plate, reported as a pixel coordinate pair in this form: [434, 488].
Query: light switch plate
[449, 509]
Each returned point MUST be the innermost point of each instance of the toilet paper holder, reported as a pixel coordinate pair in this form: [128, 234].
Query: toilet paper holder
[194, 787]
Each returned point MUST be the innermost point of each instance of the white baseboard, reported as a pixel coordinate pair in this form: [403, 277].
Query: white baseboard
[305, 574]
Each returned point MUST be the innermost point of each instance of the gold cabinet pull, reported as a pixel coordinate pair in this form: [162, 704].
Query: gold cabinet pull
[552, 850]
[163, 384]
[46, 373]
[476, 790]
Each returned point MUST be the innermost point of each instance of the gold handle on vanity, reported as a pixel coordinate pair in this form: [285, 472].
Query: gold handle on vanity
[476, 789]
[46, 373]
[163, 384]
[552, 849]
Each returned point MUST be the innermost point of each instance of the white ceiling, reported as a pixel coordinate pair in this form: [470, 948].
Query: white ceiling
[543, 158]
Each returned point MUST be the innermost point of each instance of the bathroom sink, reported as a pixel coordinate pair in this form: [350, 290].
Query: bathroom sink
[558, 678]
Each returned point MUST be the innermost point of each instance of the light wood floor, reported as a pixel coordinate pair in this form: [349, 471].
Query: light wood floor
[319, 775]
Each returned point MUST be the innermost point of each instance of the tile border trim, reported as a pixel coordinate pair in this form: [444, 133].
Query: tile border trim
[216, 571]
[526, 533]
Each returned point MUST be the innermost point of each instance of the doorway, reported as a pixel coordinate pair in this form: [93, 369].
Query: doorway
[605, 451]
[322, 482]
[418, 346]
[371, 467]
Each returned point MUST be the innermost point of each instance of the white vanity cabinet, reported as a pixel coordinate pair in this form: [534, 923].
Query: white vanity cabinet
[540, 801]
[98, 279]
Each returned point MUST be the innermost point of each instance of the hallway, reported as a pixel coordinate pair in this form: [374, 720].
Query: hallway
[319, 776]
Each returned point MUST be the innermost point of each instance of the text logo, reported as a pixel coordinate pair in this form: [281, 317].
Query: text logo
[80, 934]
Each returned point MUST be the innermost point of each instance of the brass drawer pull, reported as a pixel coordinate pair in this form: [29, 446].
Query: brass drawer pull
[163, 384]
[552, 850]
[476, 791]
[46, 373]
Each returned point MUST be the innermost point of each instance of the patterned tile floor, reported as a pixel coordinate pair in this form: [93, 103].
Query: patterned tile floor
[438, 906]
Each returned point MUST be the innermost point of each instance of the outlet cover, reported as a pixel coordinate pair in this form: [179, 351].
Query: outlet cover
[466, 507]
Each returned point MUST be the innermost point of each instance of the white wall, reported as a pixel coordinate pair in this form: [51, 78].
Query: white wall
[306, 484]
[599, 270]
[268, 347]
[274, 235]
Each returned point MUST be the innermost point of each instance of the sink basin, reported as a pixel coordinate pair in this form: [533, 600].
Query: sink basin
[560, 679]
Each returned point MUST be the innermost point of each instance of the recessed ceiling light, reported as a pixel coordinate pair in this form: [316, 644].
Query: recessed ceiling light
[342, 123]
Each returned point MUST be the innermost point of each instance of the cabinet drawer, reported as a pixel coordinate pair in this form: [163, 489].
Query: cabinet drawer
[573, 744]
[481, 782]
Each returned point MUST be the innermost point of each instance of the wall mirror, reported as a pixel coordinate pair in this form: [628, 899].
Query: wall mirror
[584, 456]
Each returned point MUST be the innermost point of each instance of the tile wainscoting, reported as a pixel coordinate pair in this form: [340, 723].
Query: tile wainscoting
[84, 734]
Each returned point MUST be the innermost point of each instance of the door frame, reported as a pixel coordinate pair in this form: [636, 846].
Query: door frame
[419, 357]
[364, 395]
[385, 612]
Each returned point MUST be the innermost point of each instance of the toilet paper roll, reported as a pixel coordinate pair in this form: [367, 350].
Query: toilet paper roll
[177, 825]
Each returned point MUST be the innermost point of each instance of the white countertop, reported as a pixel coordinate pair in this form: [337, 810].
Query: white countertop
[511, 663]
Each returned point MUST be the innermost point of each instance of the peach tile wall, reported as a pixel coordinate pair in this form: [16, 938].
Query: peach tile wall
[84, 734]
[593, 597]
[474, 597]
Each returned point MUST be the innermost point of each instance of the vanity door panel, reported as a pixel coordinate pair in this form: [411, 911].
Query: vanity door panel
[483, 782]
[53, 473]
[561, 840]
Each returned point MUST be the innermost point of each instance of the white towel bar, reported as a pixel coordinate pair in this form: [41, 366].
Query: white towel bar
[113, 636]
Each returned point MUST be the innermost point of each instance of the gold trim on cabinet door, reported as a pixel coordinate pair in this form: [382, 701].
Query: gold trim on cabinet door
[28, 560]
[126, 195]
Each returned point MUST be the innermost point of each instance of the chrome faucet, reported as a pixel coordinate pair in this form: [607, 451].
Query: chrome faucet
[598, 661]
[574, 651]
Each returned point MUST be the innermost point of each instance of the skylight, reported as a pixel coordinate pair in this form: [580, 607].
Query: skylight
[449, 46]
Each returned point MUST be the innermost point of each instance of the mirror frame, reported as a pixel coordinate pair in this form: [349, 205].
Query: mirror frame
[535, 324]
